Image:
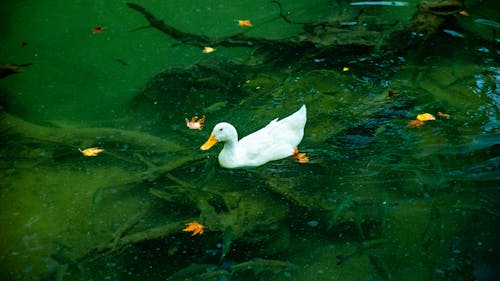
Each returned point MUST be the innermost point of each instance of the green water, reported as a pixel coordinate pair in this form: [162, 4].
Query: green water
[378, 200]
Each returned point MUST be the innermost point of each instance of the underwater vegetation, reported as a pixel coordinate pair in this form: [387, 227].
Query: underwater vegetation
[400, 181]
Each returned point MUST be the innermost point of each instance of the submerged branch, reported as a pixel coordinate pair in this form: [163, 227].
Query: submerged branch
[109, 247]
[236, 40]
[175, 33]
[83, 136]
[129, 224]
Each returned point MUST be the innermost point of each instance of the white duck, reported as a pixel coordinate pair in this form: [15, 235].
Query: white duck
[277, 140]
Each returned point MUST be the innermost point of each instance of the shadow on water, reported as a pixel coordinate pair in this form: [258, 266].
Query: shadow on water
[380, 198]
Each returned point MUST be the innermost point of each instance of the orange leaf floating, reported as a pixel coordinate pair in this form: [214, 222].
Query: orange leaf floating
[195, 124]
[415, 123]
[464, 13]
[93, 151]
[208, 50]
[194, 227]
[97, 29]
[440, 114]
[300, 157]
[245, 23]
[425, 117]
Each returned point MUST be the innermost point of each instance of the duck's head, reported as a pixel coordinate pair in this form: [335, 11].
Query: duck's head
[222, 132]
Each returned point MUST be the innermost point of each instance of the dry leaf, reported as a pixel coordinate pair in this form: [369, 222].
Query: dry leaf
[195, 124]
[245, 23]
[97, 29]
[443, 114]
[93, 151]
[194, 227]
[415, 123]
[208, 50]
[425, 117]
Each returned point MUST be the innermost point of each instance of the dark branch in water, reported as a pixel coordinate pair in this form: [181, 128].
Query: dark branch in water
[236, 40]
[197, 40]
[9, 69]
[285, 18]
[351, 31]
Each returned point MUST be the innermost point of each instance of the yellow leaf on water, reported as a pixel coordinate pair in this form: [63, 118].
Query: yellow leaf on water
[93, 151]
[425, 117]
[245, 23]
[208, 50]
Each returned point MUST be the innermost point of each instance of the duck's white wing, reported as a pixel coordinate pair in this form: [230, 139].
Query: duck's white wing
[275, 141]
[258, 151]
[289, 129]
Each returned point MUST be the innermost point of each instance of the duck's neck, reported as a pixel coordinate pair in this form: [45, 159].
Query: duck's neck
[231, 138]
[229, 154]
[228, 157]
[230, 144]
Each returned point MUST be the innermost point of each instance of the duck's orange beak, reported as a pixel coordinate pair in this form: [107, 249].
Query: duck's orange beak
[209, 143]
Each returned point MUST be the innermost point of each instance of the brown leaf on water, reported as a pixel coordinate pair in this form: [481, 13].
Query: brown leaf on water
[440, 114]
[195, 123]
[415, 123]
[97, 29]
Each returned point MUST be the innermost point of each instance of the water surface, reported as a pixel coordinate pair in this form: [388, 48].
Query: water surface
[378, 200]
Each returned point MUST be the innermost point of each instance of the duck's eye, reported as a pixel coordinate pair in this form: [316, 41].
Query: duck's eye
[220, 129]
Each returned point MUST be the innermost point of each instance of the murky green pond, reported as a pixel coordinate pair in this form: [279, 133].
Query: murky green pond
[385, 195]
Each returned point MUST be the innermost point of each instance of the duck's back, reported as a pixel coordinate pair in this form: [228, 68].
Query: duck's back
[275, 141]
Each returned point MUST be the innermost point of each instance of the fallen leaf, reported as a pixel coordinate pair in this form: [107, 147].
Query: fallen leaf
[93, 151]
[208, 50]
[415, 123]
[245, 23]
[425, 117]
[345, 68]
[195, 124]
[194, 227]
[97, 29]
[443, 114]
[464, 13]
